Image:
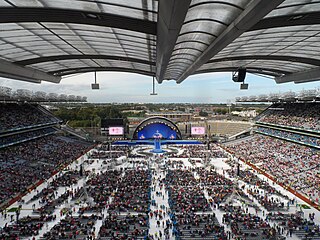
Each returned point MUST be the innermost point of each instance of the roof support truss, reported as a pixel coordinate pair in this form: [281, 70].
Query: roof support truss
[17, 72]
[74, 16]
[69, 71]
[300, 77]
[248, 18]
[79, 56]
[170, 20]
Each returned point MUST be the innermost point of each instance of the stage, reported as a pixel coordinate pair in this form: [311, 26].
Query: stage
[157, 143]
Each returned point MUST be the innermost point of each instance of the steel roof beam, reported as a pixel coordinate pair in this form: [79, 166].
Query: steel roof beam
[285, 58]
[69, 71]
[20, 78]
[253, 13]
[265, 71]
[299, 19]
[79, 56]
[170, 20]
[14, 71]
[14, 15]
[300, 77]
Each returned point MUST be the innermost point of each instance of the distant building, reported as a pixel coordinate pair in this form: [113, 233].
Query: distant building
[173, 116]
[247, 113]
[133, 111]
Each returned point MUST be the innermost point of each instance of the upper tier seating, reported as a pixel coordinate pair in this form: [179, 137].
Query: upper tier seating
[19, 116]
[300, 115]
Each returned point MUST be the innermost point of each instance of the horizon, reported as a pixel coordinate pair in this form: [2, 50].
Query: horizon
[119, 87]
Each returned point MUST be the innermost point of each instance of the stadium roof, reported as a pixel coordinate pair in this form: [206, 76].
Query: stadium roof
[168, 39]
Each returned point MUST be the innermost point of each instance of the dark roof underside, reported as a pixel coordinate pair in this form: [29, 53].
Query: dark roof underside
[171, 39]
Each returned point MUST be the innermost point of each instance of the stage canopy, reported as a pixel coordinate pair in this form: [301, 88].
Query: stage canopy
[157, 128]
[43, 40]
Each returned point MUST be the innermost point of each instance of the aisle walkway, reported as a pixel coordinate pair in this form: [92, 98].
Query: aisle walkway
[158, 221]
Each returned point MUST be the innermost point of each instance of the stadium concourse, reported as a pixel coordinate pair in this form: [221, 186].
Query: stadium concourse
[265, 186]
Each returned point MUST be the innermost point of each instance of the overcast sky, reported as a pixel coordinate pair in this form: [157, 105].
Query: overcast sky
[129, 87]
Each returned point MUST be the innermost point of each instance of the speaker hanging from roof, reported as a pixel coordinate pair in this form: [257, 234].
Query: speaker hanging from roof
[239, 75]
[95, 85]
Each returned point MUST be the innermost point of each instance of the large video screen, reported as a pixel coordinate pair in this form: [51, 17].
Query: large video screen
[116, 131]
[198, 131]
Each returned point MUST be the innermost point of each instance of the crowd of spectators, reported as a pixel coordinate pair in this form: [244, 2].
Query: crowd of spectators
[252, 179]
[187, 199]
[81, 227]
[101, 186]
[194, 151]
[177, 164]
[217, 152]
[63, 179]
[190, 207]
[108, 154]
[269, 203]
[49, 199]
[25, 136]
[291, 164]
[202, 151]
[211, 177]
[110, 151]
[22, 165]
[313, 141]
[300, 115]
[199, 226]
[19, 116]
[295, 223]
[51, 204]
[20, 230]
[133, 192]
[181, 177]
[218, 187]
[245, 225]
[129, 191]
[124, 227]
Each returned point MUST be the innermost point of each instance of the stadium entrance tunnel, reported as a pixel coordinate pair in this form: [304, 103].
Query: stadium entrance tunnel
[157, 128]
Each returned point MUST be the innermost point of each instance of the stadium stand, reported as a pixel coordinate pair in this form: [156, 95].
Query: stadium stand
[10, 140]
[228, 128]
[7, 94]
[15, 116]
[298, 115]
[31, 152]
[291, 164]
[290, 136]
[25, 164]
[185, 195]
[217, 127]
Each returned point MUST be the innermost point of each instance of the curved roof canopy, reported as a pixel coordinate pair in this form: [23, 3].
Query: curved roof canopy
[168, 39]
